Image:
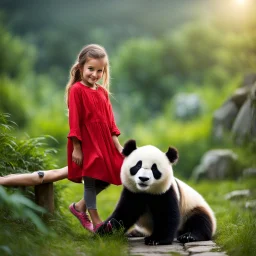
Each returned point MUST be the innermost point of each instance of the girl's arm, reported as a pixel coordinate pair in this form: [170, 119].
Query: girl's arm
[77, 154]
[117, 143]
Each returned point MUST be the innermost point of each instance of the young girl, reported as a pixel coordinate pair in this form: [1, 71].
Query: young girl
[94, 152]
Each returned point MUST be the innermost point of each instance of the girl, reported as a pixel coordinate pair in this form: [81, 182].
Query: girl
[94, 152]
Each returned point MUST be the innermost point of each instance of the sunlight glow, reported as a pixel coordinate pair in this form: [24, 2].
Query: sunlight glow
[241, 2]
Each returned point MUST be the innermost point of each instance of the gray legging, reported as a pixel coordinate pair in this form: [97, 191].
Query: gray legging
[92, 187]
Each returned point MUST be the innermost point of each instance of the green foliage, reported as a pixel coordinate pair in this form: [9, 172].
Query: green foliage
[190, 138]
[19, 207]
[17, 57]
[10, 92]
[22, 155]
[131, 71]
[159, 60]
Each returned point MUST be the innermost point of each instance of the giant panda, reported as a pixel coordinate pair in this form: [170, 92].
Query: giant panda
[161, 206]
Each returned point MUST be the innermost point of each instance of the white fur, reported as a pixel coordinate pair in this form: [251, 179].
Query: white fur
[191, 199]
[148, 155]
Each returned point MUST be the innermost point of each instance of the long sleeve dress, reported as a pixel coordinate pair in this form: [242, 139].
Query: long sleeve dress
[92, 122]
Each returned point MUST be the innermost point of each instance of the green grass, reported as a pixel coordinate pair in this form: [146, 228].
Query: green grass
[236, 228]
[236, 225]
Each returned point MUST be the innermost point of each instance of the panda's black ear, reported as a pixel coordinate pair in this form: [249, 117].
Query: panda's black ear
[172, 155]
[129, 146]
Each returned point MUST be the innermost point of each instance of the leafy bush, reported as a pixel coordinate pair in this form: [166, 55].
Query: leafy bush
[19, 207]
[22, 155]
[19, 156]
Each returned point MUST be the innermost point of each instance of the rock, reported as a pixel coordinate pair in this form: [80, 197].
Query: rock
[199, 249]
[199, 243]
[240, 96]
[251, 205]
[216, 165]
[249, 172]
[210, 254]
[243, 124]
[249, 79]
[237, 194]
[137, 247]
[223, 119]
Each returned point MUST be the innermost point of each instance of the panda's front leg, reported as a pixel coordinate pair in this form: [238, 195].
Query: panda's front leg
[166, 217]
[128, 210]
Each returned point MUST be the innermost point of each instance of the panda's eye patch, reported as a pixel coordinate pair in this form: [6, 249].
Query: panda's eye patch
[157, 174]
[135, 168]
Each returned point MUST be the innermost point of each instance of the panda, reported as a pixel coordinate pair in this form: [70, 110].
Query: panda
[160, 206]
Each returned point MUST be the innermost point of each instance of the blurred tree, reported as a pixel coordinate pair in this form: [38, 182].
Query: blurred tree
[139, 76]
[60, 29]
[17, 59]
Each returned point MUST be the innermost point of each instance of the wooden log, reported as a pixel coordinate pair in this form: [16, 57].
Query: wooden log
[44, 196]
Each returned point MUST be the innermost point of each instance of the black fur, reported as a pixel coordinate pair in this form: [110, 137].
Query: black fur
[156, 173]
[129, 146]
[135, 168]
[172, 155]
[133, 205]
[198, 227]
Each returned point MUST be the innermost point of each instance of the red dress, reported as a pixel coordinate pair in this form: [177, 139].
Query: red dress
[92, 122]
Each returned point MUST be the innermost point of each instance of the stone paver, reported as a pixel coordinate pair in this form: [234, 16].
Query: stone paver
[210, 254]
[198, 249]
[137, 247]
[204, 248]
[202, 243]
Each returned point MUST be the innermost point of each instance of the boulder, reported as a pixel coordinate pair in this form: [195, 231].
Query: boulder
[249, 172]
[217, 164]
[223, 119]
[238, 194]
[244, 128]
[240, 95]
[249, 79]
[251, 205]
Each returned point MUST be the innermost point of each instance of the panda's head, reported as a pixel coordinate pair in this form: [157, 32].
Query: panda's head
[147, 169]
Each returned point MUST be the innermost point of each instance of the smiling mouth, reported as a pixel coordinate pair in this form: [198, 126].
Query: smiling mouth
[143, 185]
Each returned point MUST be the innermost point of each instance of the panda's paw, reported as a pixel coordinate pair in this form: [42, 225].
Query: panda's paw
[186, 238]
[154, 241]
[149, 240]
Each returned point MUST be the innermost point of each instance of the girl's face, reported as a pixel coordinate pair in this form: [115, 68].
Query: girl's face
[92, 71]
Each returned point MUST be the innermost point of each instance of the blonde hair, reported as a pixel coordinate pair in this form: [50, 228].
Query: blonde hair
[93, 51]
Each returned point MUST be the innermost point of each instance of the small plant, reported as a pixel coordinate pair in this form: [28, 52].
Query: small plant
[19, 156]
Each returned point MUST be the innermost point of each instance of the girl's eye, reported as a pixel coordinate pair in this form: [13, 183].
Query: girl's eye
[90, 68]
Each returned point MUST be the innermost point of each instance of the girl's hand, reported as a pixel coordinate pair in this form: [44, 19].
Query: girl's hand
[117, 144]
[77, 156]
[120, 149]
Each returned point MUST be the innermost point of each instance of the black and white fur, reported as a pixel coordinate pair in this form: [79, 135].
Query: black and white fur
[161, 206]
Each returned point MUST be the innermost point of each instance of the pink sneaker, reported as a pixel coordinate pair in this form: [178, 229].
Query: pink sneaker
[82, 217]
[107, 228]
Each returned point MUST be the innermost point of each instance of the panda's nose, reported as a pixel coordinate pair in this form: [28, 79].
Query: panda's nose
[143, 179]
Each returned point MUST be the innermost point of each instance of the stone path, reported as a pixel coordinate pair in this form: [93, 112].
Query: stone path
[205, 248]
